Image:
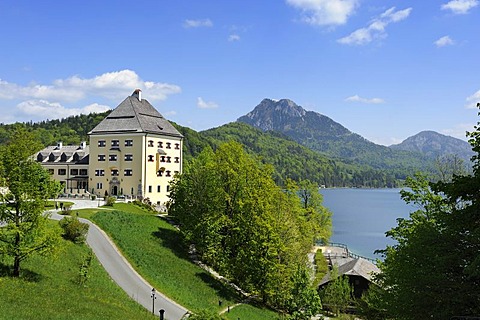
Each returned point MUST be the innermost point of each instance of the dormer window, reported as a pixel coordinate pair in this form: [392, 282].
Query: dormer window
[39, 157]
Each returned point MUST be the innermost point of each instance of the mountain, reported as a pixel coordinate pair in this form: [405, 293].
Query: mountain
[320, 133]
[434, 144]
[292, 160]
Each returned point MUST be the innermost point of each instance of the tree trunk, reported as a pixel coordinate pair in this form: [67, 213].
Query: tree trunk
[16, 263]
[16, 267]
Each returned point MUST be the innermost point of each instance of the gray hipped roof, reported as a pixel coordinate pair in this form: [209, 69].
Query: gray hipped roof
[355, 267]
[135, 115]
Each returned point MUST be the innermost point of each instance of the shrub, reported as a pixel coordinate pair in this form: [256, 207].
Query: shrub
[84, 270]
[73, 229]
[110, 201]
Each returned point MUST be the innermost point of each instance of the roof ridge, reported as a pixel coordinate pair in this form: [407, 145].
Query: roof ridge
[136, 113]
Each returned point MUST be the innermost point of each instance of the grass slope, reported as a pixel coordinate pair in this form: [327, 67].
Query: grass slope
[47, 290]
[155, 249]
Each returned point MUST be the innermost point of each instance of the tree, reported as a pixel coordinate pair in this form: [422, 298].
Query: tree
[338, 294]
[27, 186]
[305, 302]
[433, 270]
[242, 224]
[315, 213]
[74, 230]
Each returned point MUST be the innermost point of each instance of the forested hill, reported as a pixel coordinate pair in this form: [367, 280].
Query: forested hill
[320, 133]
[71, 130]
[289, 158]
[292, 160]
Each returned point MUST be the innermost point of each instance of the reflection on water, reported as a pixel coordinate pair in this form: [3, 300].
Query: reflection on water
[362, 216]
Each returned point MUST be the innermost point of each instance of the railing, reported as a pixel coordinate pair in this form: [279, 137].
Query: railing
[344, 246]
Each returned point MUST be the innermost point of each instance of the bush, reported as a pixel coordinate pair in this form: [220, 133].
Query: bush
[110, 201]
[73, 229]
[144, 205]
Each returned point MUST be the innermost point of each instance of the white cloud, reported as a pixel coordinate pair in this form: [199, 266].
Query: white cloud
[357, 98]
[460, 6]
[325, 12]
[42, 109]
[112, 85]
[473, 100]
[444, 41]
[233, 37]
[376, 29]
[170, 113]
[206, 104]
[459, 131]
[197, 23]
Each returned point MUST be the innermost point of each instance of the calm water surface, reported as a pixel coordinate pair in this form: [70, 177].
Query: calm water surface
[362, 216]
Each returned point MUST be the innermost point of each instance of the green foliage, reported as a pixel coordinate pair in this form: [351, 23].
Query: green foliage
[144, 205]
[48, 289]
[338, 293]
[242, 224]
[371, 305]
[83, 272]
[304, 302]
[318, 219]
[433, 271]
[292, 160]
[71, 130]
[155, 249]
[206, 315]
[250, 312]
[73, 229]
[28, 187]
[110, 201]
[321, 269]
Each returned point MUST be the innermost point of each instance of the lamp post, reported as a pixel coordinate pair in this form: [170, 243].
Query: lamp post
[153, 300]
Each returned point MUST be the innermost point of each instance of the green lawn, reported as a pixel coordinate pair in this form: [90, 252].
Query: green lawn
[155, 249]
[249, 312]
[47, 289]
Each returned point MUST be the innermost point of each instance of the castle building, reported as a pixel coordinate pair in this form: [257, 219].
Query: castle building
[133, 152]
[67, 164]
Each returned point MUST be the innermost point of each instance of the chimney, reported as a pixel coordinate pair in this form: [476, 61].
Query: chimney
[59, 145]
[138, 94]
[83, 144]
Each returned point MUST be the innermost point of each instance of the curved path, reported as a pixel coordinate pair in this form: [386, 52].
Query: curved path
[120, 269]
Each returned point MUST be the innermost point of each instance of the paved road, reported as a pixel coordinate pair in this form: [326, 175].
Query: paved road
[121, 271]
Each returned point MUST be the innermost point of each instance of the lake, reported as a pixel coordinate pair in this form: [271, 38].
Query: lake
[360, 217]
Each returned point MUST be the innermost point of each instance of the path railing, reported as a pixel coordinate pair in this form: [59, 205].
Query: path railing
[344, 246]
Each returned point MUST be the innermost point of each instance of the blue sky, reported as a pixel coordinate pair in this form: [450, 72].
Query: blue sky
[384, 69]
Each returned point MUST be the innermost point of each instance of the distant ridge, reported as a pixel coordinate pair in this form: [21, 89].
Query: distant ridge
[320, 133]
[434, 144]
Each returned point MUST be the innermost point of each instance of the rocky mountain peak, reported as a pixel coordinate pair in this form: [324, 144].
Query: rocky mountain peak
[270, 114]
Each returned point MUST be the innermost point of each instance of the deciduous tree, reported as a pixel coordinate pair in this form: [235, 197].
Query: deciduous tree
[433, 270]
[243, 224]
[27, 186]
